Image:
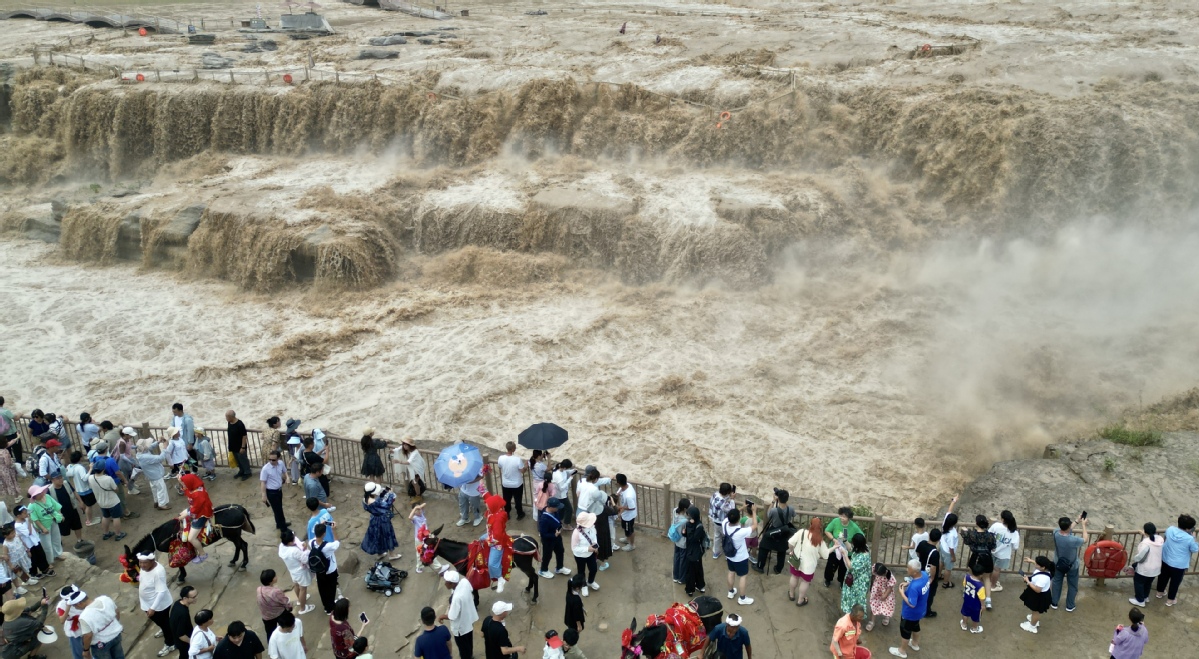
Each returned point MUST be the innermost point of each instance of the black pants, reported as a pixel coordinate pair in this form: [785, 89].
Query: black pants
[1141, 586]
[588, 566]
[695, 576]
[325, 484]
[270, 626]
[14, 447]
[37, 558]
[466, 646]
[1171, 576]
[163, 620]
[767, 545]
[243, 464]
[836, 565]
[326, 585]
[516, 494]
[275, 499]
[934, 584]
[551, 545]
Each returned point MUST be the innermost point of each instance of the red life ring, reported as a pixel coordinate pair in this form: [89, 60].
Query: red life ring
[725, 116]
[141, 78]
[287, 78]
[926, 47]
[1105, 559]
[141, 31]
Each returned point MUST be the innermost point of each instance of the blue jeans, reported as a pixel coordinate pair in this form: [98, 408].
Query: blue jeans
[495, 563]
[76, 646]
[1071, 579]
[111, 650]
[680, 564]
[466, 504]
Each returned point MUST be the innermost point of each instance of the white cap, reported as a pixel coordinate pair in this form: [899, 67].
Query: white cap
[500, 608]
[127, 430]
[452, 576]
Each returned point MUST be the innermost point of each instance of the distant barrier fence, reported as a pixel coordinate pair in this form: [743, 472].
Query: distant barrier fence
[656, 503]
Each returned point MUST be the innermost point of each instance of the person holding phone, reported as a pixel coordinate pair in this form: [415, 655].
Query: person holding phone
[341, 633]
[1036, 595]
[584, 545]
[1066, 546]
[1129, 642]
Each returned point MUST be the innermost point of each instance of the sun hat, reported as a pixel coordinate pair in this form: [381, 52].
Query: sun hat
[38, 490]
[293, 425]
[372, 488]
[199, 430]
[408, 441]
[500, 608]
[586, 519]
[294, 439]
[368, 431]
[47, 635]
[129, 431]
[13, 608]
[172, 431]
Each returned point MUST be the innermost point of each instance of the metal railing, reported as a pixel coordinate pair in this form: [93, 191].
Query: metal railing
[886, 536]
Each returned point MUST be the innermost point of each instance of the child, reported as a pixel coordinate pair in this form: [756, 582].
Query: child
[949, 549]
[919, 536]
[1037, 595]
[6, 575]
[33, 542]
[17, 558]
[575, 614]
[553, 646]
[206, 454]
[882, 596]
[420, 531]
[361, 651]
[76, 473]
[973, 594]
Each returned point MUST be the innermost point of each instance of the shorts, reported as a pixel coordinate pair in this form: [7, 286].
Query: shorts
[627, 526]
[946, 562]
[984, 561]
[112, 513]
[973, 614]
[89, 499]
[907, 628]
[739, 568]
[199, 522]
[1003, 563]
[796, 573]
[302, 579]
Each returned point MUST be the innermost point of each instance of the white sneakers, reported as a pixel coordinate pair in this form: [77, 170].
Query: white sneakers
[499, 584]
[1133, 601]
[166, 649]
[585, 592]
[593, 586]
[627, 548]
[998, 588]
[897, 653]
[544, 574]
[308, 609]
[732, 593]
[745, 601]
[478, 521]
[563, 570]
[1028, 626]
[460, 522]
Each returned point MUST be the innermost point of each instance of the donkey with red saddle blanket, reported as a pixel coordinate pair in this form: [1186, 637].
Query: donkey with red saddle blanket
[471, 559]
[676, 634]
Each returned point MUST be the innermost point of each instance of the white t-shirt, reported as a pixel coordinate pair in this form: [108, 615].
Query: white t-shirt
[1005, 540]
[511, 474]
[561, 480]
[949, 541]
[329, 549]
[152, 590]
[462, 610]
[201, 639]
[739, 535]
[1041, 580]
[628, 499]
[293, 558]
[917, 538]
[100, 620]
[287, 645]
[78, 475]
[471, 489]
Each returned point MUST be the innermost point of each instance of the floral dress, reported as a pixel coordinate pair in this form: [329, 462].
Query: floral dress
[380, 536]
[856, 594]
[8, 475]
[882, 596]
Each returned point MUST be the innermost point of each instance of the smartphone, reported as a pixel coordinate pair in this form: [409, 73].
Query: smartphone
[43, 592]
[363, 618]
[1084, 515]
[1021, 572]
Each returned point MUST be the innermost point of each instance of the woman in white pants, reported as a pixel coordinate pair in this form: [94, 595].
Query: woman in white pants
[154, 468]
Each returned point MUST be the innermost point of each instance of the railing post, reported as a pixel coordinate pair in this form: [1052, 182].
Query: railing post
[668, 499]
[876, 537]
[1108, 530]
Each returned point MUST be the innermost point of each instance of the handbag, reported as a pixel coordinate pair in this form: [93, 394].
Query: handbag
[416, 487]
[849, 579]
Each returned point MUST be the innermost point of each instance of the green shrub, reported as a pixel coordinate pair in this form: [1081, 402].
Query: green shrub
[1129, 437]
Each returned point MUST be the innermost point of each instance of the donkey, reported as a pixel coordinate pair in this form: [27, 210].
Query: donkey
[524, 553]
[229, 521]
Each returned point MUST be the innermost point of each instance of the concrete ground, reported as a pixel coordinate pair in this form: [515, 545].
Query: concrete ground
[639, 583]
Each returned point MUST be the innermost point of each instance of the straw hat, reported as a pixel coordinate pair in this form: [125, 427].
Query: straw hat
[13, 608]
[586, 519]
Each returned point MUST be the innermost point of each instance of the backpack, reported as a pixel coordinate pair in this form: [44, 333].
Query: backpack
[5, 426]
[727, 545]
[674, 532]
[317, 561]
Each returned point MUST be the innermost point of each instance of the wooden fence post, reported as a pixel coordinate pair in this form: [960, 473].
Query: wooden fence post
[876, 537]
[145, 431]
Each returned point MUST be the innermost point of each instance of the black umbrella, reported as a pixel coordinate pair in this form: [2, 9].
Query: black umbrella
[544, 436]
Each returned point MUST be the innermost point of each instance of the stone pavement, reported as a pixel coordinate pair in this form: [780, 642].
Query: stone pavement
[639, 583]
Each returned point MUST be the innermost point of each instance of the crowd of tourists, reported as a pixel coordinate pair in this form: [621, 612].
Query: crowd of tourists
[77, 487]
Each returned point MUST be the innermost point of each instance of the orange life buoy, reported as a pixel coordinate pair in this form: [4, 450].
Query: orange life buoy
[725, 116]
[926, 47]
[141, 31]
[432, 96]
[141, 78]
[1105, 559]
[287, 78]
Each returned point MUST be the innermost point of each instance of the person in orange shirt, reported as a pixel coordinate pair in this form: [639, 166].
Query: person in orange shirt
[847, 632]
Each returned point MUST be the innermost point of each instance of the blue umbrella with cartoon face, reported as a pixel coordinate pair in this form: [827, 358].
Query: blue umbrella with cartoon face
[458, 464]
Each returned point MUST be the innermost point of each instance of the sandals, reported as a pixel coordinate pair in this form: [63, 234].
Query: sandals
[791, 596]
[870, 625]
[803, 603]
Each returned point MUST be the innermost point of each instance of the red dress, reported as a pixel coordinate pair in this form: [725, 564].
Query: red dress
[497, 531]
[197, 497]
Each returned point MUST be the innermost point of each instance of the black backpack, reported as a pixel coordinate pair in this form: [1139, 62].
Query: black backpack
[317, 561]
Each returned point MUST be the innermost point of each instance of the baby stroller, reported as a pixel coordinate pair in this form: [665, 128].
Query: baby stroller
[383, 578]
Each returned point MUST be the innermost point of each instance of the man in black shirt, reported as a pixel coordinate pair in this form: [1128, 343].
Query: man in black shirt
[181, 620]
[495, 634]
[237, 444]
[930, 562]
[239, 643]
